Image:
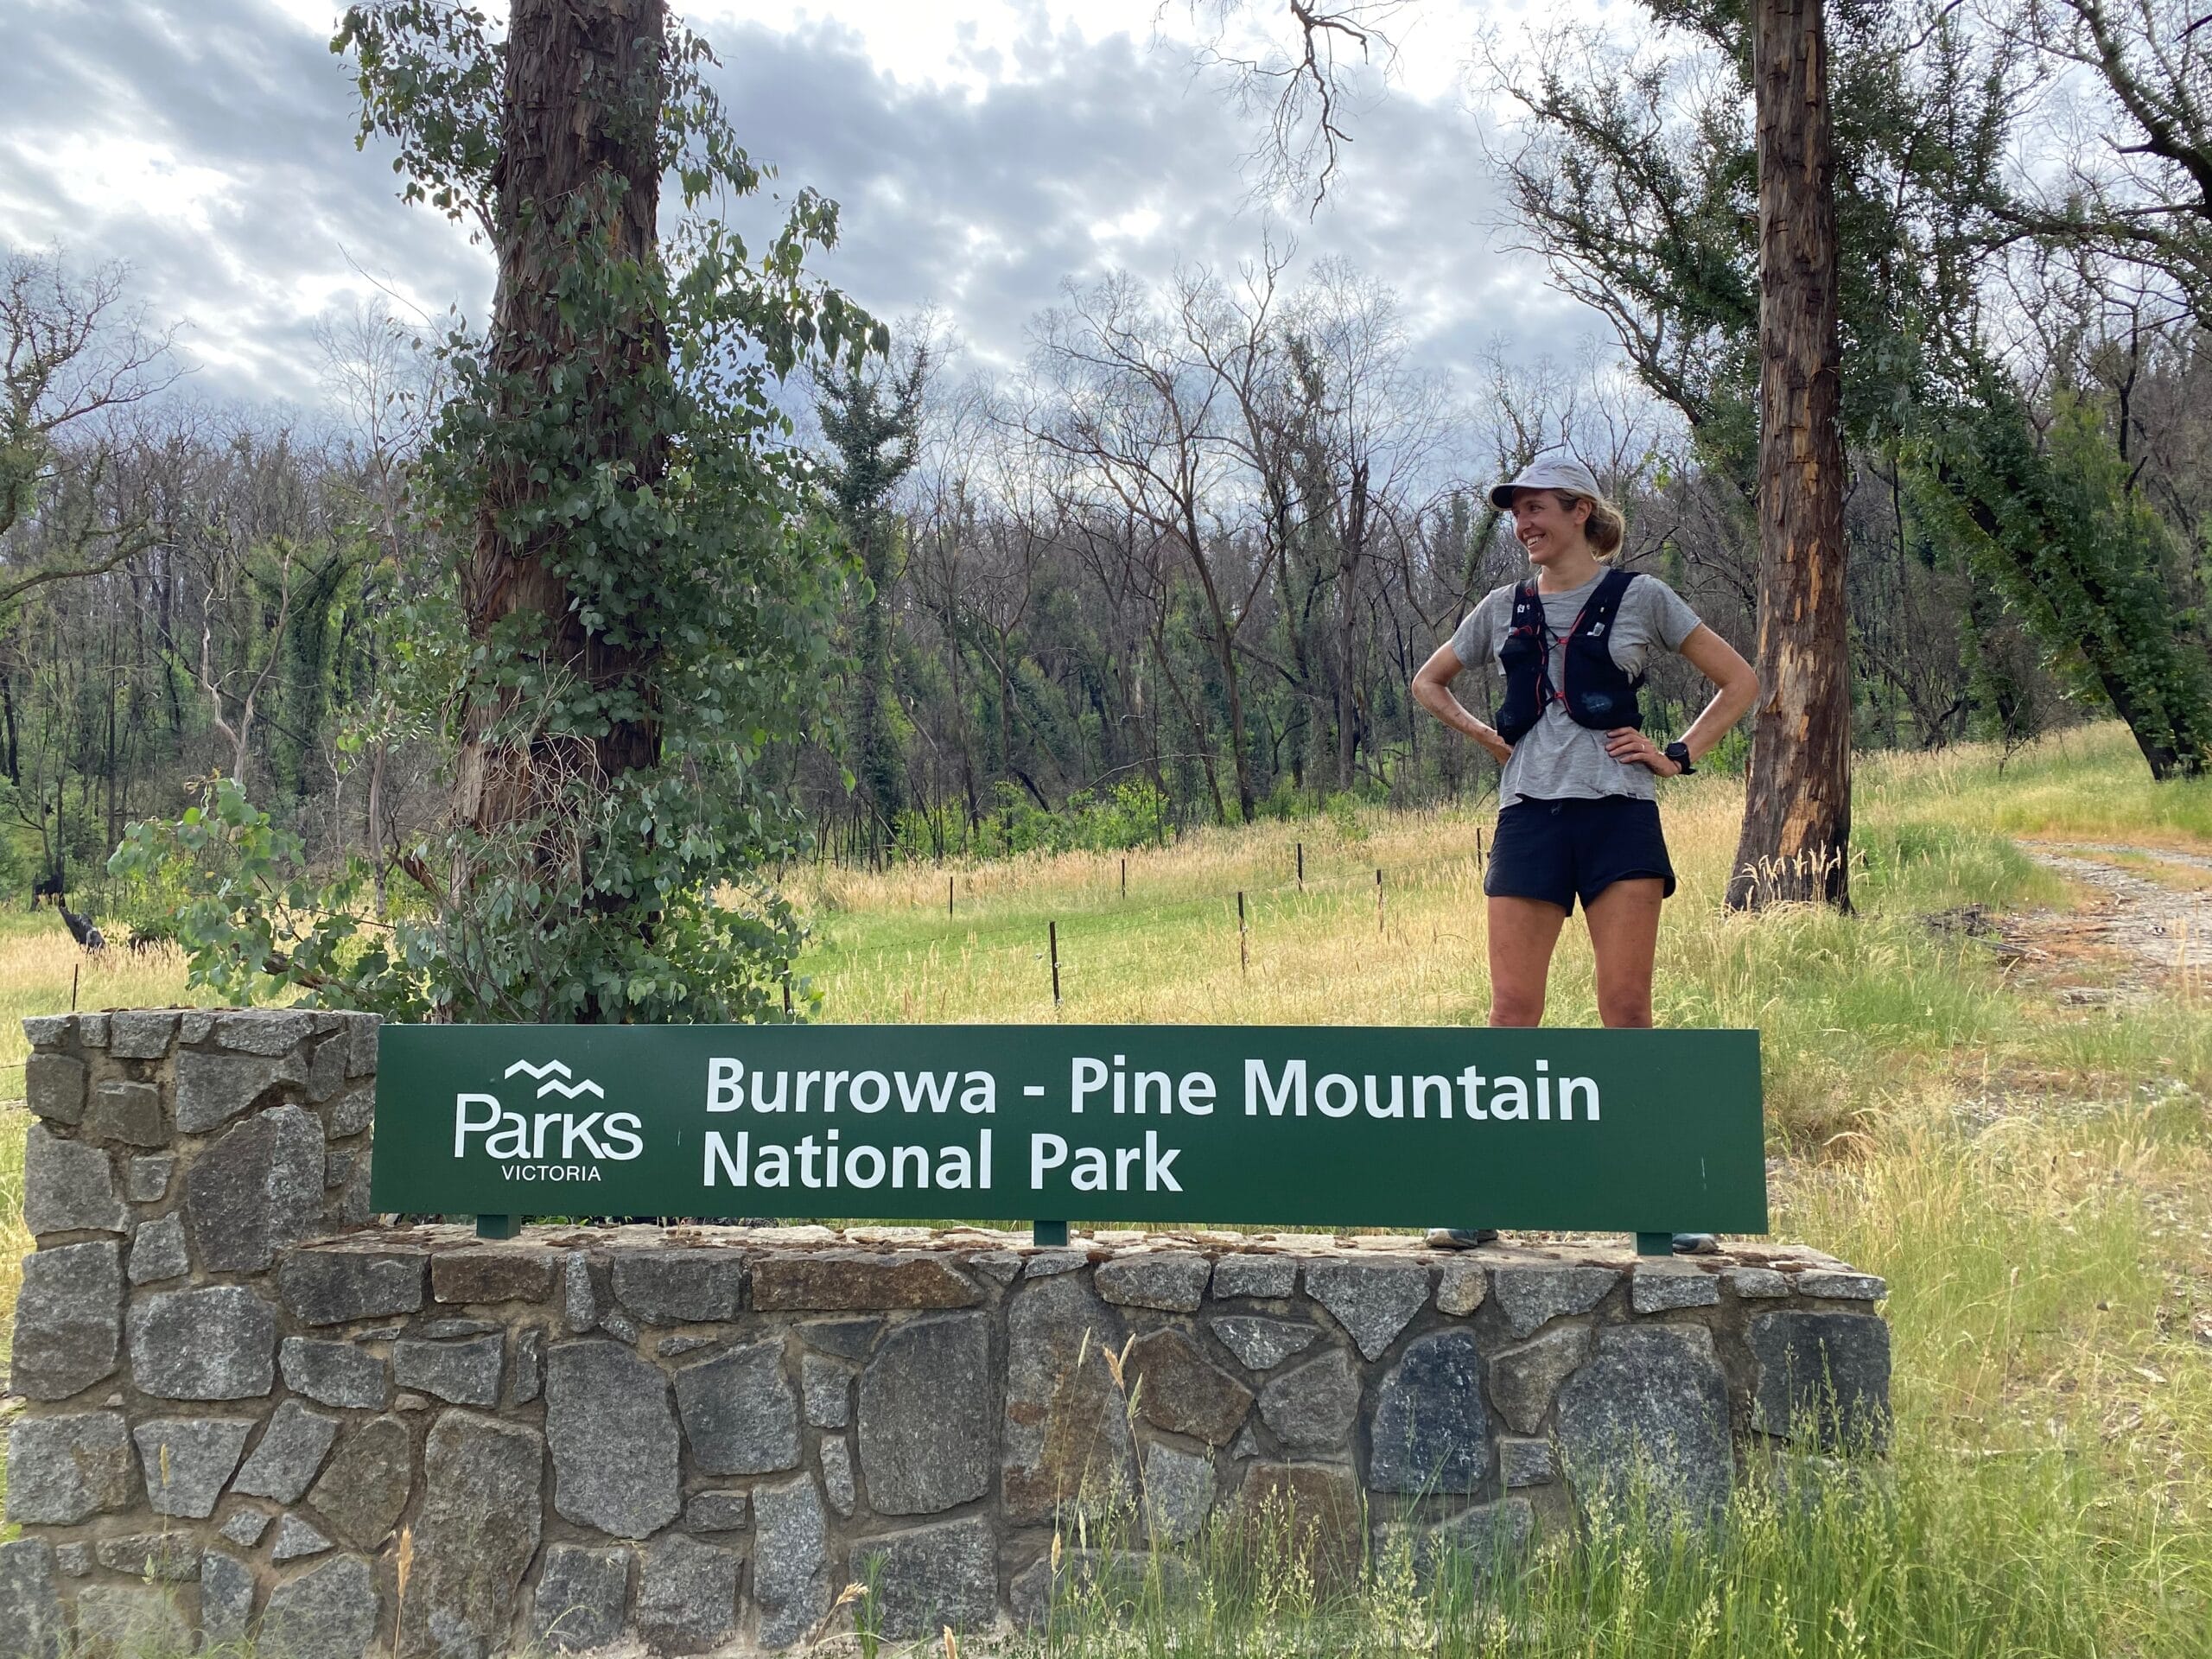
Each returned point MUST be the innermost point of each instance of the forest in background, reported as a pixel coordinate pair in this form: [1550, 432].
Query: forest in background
[1179, 565]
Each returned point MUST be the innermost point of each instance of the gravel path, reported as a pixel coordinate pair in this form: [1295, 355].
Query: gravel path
[2160, 932]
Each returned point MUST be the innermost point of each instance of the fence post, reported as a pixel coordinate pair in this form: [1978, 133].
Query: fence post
[1125, 877]
[948, 897]
[1301, 867]
[1052, 942]
[1243, 946]
[1378, 901]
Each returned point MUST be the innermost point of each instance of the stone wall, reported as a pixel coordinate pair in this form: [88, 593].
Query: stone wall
[253, 1412]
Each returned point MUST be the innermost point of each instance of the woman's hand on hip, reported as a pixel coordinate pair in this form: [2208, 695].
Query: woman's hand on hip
[1632, 748]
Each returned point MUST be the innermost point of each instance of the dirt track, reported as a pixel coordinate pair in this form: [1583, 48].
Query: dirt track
[2149, 929]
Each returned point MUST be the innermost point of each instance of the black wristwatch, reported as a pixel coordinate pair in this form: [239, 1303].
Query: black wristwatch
[1679, 752]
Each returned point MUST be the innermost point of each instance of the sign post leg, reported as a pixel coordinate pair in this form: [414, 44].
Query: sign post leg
[1048, 1232]
[498, 1226]
[1655, 1244]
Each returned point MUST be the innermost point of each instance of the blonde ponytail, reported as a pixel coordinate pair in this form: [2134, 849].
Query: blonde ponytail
[1604, 529]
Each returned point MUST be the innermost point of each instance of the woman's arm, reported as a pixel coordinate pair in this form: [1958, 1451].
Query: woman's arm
[1739, 689]
[1431, 689]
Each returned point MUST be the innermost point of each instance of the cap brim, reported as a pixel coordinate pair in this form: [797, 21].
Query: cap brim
[1501, 497]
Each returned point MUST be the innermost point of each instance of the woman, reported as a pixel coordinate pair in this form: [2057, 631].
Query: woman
[1579, 813]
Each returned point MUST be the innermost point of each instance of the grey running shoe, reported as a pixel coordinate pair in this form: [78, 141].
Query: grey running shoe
[1696, 1244]
[1460, 1239]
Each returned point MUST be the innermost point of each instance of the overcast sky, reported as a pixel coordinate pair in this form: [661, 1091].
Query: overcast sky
[983, 152]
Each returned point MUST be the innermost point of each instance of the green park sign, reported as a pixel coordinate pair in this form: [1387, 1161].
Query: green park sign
[1637, 1131]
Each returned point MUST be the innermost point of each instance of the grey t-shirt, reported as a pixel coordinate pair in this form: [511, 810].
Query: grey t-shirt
[1556, 758]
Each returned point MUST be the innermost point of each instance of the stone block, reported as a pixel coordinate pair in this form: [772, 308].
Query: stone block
[68, 1320]
[331, 1611]
[1317, 1505]
[74, 1557]
[582, 1599]
[929, 1578]
[831, 1280]
[245, 1526]
[215, 1344]
[836, 1455]
[493, 1273]
[1261, 1344]
[158, 1252]
[715, 1511]
[146, 1180]
[475, 1533]
[739, 1411]
[1656, 1290]
[1045, 1264]
[158, 1557]
[579, 1294]
[188, 1461]
[1524, 1380]
[1428, 1432]
[1373, 1303]
[91, 1030]
[68, 1187]
[1828, 1372]
[1460, 1287]
[613, 1433]
[225, 1599]
[195, 1025]
[925, 1441]
[1178, 1492]
[364, 1488]
[1119, 1581]
[1841, 1286]
[1178, 1389]
[53, 1087]
[49, 1030]
[827, 1387]
[1649, 1412]
[326, 1069]
[1311, 1407]
[290, 1456]
[687, 1596]
[61, 1470]
[212, 1088]
[335, 1373]
[266, 1032]
[32, 1623]
[1065, 1428]
[462, 1373]
[846, 1338]
[1526, 1463]
[361, 1044]
[668, 1286]
[351, 1112]
[257, 1190]
[1531, 1297]
[999, 1266]
[298, 1539]
[791, 1561]
[332, 1286]
[124, 1621]
[129, 1113]
[1484, 1542]
[1254, 1275]
[1756, 1282]
[1174, 1281]
[527, 1381]
[140, 1033]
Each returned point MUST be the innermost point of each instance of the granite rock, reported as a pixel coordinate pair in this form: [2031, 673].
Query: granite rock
[126, 1113]
[1829, 1372]
[290, 1456]
[1429, 1431]
[1526, 1463]
[158, 1252]
[716, 1511]
[1841, 1286]
[791, 1563]
[1760, 1282]
[1316, 1504]
[298, 1539]
[739, 1411]
[1650, 1409]
[225, 1599]
[612, 1429]
[212, 1088]
[68, 1187]
[1178, 1389]
[335, 1373]
[333, 1286]
[665, 1286]
[837, 1459]
[256, 1190]
[263, 1030]
[188, 1461]
[1311, 1407]
[827, 1387]
[130, 1619]
[1373, 1303]
[582, 1599]
[925, 1425]
[687, 1595]
[461, 1373]
[475, 1533]
[1261, 1344]
[68, 1320]
[1656, 1290]
[1273, 1276]
[1066, 1434]
[61, 1469]
[846, 1338]
[493, 1273]
[245, 1526]
[1174, 1281]
[579, 1294]
[146, 1180]
[159, 1557]
[1531, 1297]
[331, 1611]
[831, 1280]
[1178, 1489]
[53, 1087]
[1483, 1540]
[140, 1033]
[363, 1487]
[1460, 1287]
[527, 1381]
[215, 1344]
[1523, 1381]
[32, 1621]
[929, 1578]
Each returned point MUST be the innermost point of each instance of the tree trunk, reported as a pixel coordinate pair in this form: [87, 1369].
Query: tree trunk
[1797, 804]
[578, 180]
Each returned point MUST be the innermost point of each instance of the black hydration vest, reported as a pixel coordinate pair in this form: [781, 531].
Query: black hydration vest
[1597, 691]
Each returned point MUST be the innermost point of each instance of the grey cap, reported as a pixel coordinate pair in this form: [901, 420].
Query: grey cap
[1547, 472]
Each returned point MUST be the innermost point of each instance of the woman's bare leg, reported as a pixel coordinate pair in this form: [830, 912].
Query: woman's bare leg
[1624, 937]
[1523, 932]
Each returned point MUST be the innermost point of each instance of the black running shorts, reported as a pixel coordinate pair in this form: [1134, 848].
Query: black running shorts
[1559, 851]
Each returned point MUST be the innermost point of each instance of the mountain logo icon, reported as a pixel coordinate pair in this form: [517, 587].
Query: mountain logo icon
[553, 1080]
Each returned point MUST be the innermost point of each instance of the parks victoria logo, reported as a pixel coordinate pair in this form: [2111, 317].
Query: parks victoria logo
[547, 1145]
